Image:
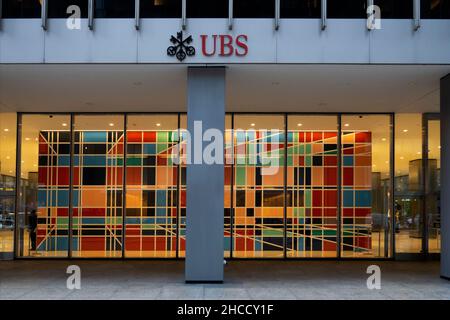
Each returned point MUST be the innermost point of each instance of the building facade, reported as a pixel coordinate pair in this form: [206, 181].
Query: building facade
[237, 129]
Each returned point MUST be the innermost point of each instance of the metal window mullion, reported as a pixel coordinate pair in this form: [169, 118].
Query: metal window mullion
[323, 14]
[183, 14]
[44, 12]
[17, 185]
[137, 14]
[232, 188]
[277, 14]
[177, 245]
[285, 171]
[71, 168]
[91, 14]
[339, 188]
[1, 8]
[124, 183]
[425, 183]
[230, 14]
[391, 192]
[416, 14]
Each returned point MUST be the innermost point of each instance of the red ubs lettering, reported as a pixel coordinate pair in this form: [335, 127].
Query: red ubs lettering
[224, 45]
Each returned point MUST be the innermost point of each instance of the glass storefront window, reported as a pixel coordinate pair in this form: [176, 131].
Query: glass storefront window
[365, 182]
[97, 186]
[58, 8]
[312, 182]
[7, 183]
[347, 9]
[435, 9]
[21, 9]
[258, 195]
[395, 9]
[409, 193]
[433, 186]
[254, 8]
[43, 212]
[114, 8]
[160, 8]
[207, 8]
[151, 186]
[270, 210]
[300, 9]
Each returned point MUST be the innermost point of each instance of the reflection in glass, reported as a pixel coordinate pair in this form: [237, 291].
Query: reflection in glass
[433, 187]
[258, 186]
[409, 193]
[312, 196]
[151, 186]
[43, 210]
[97, 186]
[7, 182]
[365, 186]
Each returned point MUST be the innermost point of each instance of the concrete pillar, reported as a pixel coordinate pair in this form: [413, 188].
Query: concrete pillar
[204, 182]
[445, 177]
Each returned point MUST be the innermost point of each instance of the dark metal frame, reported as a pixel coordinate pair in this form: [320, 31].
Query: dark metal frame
[286, 115]
[424, 254]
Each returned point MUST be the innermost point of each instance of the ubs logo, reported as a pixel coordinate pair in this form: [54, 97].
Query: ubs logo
[181, 47]
[222, 45]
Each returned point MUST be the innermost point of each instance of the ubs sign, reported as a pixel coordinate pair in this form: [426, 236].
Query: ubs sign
[222, 45]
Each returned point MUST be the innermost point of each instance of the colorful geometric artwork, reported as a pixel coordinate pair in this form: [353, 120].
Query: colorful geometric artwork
[356, 192]
[53, 192]
[312, 181]
[258, 224]
[254, 222]
[151, 194]
[97, 193]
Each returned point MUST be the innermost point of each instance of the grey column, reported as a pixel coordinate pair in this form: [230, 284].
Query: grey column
[204, 182]
[445, 177]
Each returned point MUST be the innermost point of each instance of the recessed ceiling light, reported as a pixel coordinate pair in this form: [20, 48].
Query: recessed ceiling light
[402, 158]
[299, 124]
[386, 162]
[418, 152]
[346, 125]
[111, 124]
[64, 124]
[27, 139]
[10, 171]
[384, 139]
[439, 147]
[6, 129]
[8, 157]
[158, 124]
[252, 124]
[405, 130]
[23, 161]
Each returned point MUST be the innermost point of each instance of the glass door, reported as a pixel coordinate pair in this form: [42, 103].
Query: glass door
[433, 186]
